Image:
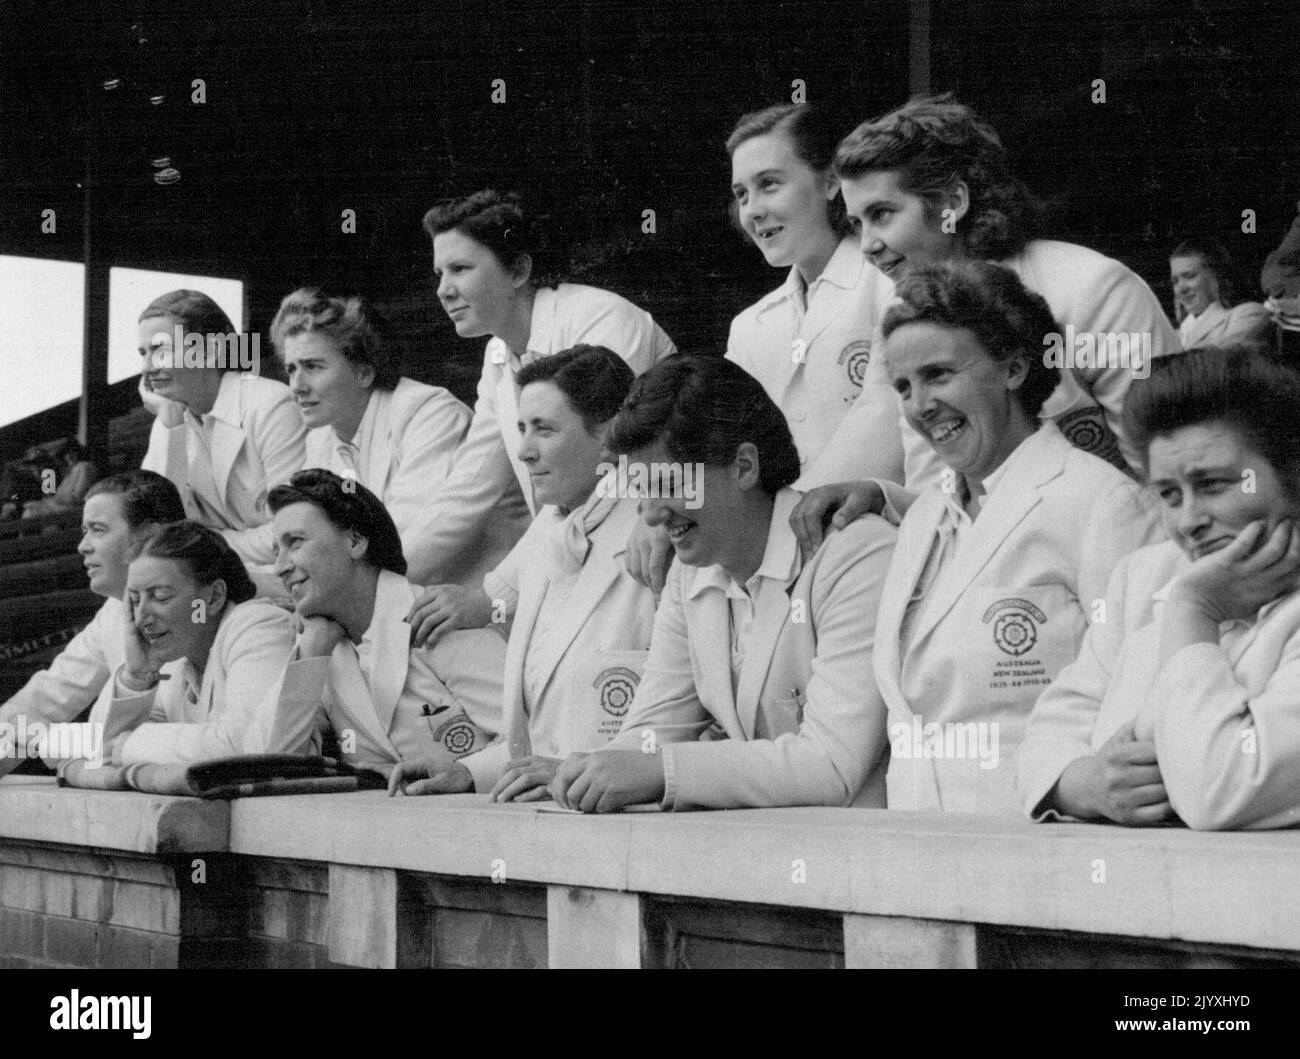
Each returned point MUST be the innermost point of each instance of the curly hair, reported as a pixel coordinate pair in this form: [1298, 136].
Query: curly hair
[813, 132]
[703, 409]
[989, 301]
[933, 142]
[505, 225]
[349, 321]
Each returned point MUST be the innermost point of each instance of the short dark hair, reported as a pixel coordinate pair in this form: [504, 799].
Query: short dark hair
[1250, 390]
[933, 142]
[704, 408]
[814, 131]
[349, 507]
[595, 380]
[351, 322]
[505, 225]
[205, 552]
[145, 496]
[989, 301]
[197, 313]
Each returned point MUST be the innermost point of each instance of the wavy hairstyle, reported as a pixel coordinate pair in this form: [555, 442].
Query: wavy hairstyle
[933, 142]
[989, 301]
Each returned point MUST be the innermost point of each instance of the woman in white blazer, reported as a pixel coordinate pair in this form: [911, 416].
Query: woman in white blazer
[581, 632]
[364, 420]
[120, 512]
[812, 342]
[930, 182]
[998, 569]
[758, 688]
[189, 600]
[1206, 308]
[488, 256]
[227, 434]
[1185, 700]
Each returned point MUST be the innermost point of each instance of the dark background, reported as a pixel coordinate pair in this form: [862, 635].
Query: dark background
[611, 108]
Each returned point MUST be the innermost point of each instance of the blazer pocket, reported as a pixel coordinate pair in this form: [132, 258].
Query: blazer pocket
[1022, 636]
[605, 689]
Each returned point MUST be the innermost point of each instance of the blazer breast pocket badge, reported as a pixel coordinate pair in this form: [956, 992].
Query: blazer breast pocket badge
[454, 734]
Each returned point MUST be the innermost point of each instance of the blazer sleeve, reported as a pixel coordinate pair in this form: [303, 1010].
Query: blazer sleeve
[291, 717]
[486, 765]
[1061, 726]
[482, 475]
[426, 459]
[251, 654]
[471, 663]
[868, 443]
[1115, 525]
[628, 330]
[1120, 302]
[828, 759]
[666, 701]
[1229, 759]
[68, 686]
[278, 437]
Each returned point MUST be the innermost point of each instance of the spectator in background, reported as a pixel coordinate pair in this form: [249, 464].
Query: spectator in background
[364, 420]
[120, 512]
[930, 183]
[228, 436]
[73, 478]
[1186, 700]
[1206, 307]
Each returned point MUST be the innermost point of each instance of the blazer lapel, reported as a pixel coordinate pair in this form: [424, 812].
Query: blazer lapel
[390, 644]
[351, 694]
[771, 609]
[1017, 495]
[379, 460]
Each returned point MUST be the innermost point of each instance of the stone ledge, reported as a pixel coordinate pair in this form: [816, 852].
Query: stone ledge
[1231, 889]
[35, 809]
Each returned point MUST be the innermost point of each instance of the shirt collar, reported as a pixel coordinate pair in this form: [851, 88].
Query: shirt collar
[843, 270]
[226, 406]
[781, 559]
[361, 439]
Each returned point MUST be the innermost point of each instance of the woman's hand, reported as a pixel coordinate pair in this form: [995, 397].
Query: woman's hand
[526, 779]
[846, 501]
[1239, 579]
[423, 777]
[319, 636]
[649, 554]
[443, 608]
[1120, 782]
[607, 780]
[143, 660]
